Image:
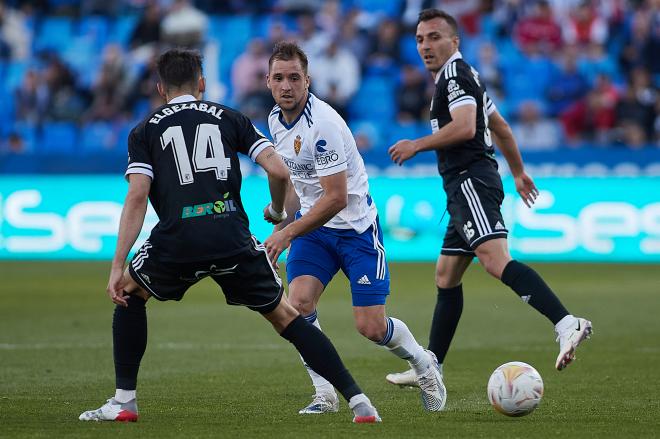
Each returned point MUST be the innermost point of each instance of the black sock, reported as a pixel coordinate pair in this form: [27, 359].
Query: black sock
[319, 353]
[448, 310]
[533, 290]
[129, 336]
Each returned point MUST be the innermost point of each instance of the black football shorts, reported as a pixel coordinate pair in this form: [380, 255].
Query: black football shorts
[247, 279]
[474, 217]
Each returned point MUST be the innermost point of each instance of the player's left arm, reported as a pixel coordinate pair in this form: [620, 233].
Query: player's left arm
[130, 224]
[506, 142]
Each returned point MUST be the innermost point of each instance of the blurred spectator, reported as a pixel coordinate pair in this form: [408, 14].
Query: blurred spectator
[352, 38]
[311, 40]
[109, 91]
[147, 32]
[13, 145]
[258, 102]
[184, 25]
[592, 118]
[65, 101]
[411, 95]
[506, 13]
[596, 62]
[276, 32]
[143, 90]
[367, 136]
[15, 37]
[466, 12]
[410, 12]
[297, 7]
[539, 32]
[249, 71]
[385, 50]
[636, 110]
[634, 52]
[490, 72]
[584, 26]
[567, 84]
[329, 18]
[335, 76]
[31, 98]
[534, 132]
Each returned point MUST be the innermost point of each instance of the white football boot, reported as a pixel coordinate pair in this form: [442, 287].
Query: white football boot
[433, 391]
[322, 403]
[363, 411]
[570, 338]
[403, 379]
[113, 410]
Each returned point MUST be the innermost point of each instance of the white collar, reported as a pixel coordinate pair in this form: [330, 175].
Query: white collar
[182, 98]
[454, 57]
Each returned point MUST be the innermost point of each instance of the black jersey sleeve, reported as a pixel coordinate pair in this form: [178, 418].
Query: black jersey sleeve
[461, 89]
[251, 141]
[139, 157]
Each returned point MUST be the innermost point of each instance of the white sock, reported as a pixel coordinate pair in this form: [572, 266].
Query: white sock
[357, 399]
[123, 396]
[402, 343]
[320, 384]
[565, 323]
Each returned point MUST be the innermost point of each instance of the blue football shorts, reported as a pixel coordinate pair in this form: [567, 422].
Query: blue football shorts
[361, 256]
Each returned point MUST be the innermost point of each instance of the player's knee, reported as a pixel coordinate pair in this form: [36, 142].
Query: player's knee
[493, 266]
[302, 305]
[445, 278]
[374, 331]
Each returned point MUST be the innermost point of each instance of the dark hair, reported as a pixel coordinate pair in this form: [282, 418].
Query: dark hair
[179, 67]
[431, 13]
[286, 51]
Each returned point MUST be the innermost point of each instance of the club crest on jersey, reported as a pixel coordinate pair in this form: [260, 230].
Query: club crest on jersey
[297, 144]
[452, 86]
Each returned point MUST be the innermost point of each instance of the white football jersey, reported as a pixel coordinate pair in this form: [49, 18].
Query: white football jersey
[318, 143]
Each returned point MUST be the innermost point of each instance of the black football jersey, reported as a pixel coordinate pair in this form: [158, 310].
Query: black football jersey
[458, 84]
[190, 150]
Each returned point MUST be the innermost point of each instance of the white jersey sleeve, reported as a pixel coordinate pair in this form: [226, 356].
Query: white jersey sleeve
[328, 148]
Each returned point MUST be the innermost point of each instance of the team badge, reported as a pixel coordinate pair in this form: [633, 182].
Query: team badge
[297, 144]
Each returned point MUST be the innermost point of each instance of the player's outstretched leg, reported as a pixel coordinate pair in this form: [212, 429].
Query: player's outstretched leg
[318, 351]
[571, 331]
[325, 398]
[399, 340]
[129, 333]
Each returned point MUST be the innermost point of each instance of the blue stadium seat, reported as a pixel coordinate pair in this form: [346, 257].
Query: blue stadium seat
[122, 29]
[95, 30]
[58, 138]
[408, 51]
[28, 132]
[14, 75]
[391, 8]
[374, 100]
[98, 137]
[54, 33]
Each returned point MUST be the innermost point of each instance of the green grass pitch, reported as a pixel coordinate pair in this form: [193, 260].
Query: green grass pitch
[212, 370]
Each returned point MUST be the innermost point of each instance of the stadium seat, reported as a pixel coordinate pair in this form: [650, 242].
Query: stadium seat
[57, 138]
[27, 132]
[14, 74]
[122, 29]
[98, 137]
[95, 30]
[54, 33]
[391, 8]
[374, 100]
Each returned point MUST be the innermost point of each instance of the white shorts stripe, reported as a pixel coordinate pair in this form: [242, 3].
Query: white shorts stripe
[261, 248]
[380, 269]
[479, 206]
[477, 218]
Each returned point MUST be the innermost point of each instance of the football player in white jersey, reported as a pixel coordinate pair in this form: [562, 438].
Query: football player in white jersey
[333, 224]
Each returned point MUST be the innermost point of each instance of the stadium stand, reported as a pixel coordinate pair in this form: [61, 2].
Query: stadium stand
[74, 79]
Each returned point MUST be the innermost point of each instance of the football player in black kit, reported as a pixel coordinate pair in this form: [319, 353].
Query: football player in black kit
[183, 158]
[464, 123]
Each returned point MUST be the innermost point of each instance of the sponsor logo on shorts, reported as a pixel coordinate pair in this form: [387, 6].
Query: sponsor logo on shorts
[468, 230]
[145, 277]
[219, 208]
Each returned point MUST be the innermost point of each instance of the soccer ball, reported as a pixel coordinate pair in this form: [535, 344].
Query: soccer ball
[515, 389]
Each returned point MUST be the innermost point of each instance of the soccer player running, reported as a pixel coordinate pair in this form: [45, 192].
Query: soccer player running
[464, 122]
[336, 225]
[183, 158]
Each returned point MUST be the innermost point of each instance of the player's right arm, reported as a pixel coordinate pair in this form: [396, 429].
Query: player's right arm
[130, 224]
[278, 182]
[506, 142]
